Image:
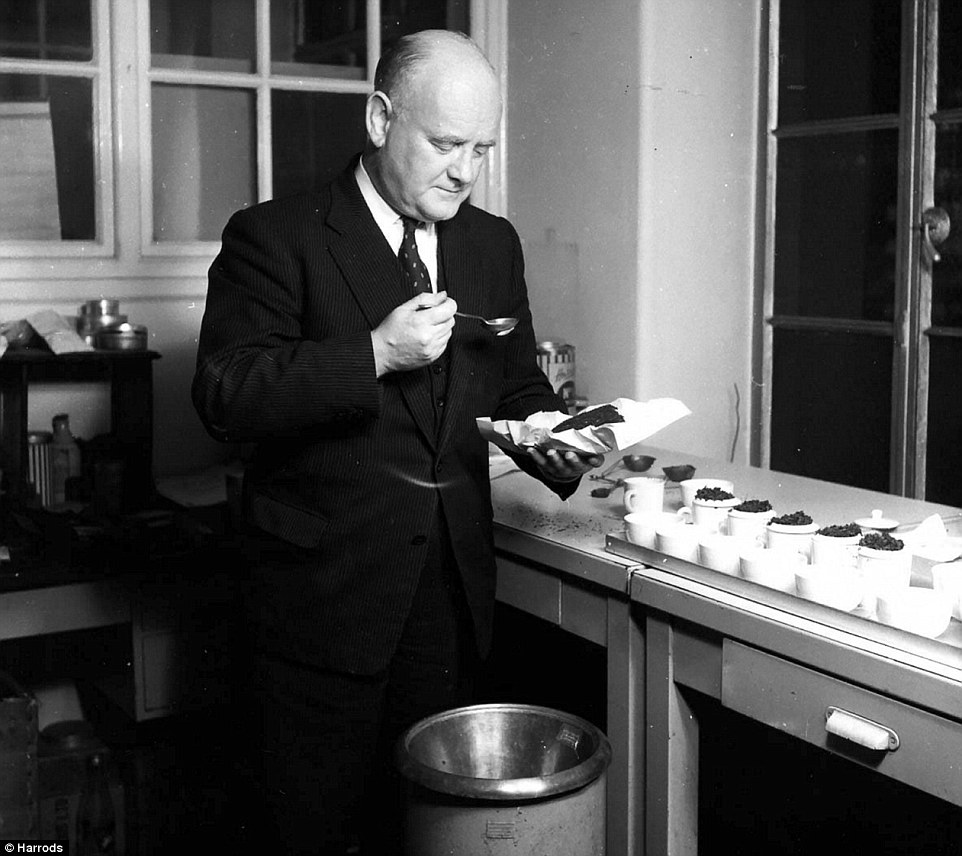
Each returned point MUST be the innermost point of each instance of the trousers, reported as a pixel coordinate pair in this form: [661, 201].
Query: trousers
[323, 770]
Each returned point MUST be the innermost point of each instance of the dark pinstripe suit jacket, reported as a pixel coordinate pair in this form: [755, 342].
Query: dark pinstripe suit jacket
[347, 471]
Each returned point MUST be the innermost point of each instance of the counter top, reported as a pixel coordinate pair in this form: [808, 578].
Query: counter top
[583, 535]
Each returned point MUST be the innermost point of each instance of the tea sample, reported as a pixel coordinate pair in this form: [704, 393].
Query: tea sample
[881, 541]
[841, 530]
[606, 414]
[796, 518]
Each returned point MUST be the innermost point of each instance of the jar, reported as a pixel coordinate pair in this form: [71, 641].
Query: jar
[38, 465]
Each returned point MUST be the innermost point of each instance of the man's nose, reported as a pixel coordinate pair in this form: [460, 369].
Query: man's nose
[461, 167]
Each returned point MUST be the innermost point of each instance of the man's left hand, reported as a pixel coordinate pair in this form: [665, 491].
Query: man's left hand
[564, 466]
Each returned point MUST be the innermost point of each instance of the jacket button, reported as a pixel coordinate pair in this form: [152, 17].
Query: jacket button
[438, 368]
[438, 467]
[418, 540]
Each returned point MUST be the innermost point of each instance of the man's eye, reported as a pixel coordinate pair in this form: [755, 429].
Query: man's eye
[481, 151]
[443, 147]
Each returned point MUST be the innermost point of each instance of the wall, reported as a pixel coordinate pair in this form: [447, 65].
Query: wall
[632, 134]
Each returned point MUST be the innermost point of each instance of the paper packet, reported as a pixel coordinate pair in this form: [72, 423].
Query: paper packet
[59, 335]
[641, 420]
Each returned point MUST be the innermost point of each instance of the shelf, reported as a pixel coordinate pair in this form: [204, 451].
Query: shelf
[129, 374]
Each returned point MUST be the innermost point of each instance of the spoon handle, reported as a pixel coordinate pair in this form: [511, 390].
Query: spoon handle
[469, 315]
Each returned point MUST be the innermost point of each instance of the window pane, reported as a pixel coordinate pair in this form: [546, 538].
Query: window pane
[46, 158]
[950, 55]
[835, 226]
[55, 29]
[319, 38]
[205, 164]
[944, 451]
[315, 135]
[400, 17]
[947, 272]
[831, 407]
[834, 65]
[208, 34]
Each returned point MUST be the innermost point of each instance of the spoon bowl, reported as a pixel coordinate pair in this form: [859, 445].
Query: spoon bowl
[638, 463]
[498, 326]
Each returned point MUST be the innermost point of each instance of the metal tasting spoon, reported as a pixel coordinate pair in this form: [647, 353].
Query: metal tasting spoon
[498, 326]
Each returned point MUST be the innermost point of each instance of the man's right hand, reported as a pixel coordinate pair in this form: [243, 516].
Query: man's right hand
[415, 334]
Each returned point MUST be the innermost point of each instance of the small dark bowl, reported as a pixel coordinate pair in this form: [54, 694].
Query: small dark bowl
[679, 472]
[638, 463]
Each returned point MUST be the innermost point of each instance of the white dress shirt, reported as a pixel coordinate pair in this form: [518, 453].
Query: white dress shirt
[389, 222]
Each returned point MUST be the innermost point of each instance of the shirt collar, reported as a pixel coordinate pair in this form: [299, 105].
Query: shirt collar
[387, 219]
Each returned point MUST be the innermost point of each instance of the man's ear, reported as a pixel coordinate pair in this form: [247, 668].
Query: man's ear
[378, 117]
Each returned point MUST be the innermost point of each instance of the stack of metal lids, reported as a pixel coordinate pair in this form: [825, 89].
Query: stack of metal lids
[101, 325]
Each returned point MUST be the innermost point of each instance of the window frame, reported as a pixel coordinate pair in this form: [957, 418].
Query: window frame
[99, 71]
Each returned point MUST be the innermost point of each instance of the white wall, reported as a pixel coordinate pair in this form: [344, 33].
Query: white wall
[632, 133]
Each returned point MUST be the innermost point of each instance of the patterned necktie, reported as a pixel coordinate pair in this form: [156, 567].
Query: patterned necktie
[415, 273]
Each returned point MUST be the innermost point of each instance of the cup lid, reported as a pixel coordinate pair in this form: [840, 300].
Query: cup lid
[877, 522]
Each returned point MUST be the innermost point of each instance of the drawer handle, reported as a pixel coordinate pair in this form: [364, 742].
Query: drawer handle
[860, 730]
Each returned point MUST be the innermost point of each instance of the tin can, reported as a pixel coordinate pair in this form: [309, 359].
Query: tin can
[38, 464]
[557, 361]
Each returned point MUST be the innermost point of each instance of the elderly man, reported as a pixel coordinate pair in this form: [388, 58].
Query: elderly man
[330, 340]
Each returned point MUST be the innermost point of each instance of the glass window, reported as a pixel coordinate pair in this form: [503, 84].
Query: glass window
[947, 272]
[207, 34]
[835, 225]
[950, 56]
[205, 163]
[320, 39]
[831, 406]
[835, 65]
[315, 135]
[47, 167]
[944, 453]
[46, 29]
[217, 114]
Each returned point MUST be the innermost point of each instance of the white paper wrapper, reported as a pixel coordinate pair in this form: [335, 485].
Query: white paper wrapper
[642, 419]
[930, 540]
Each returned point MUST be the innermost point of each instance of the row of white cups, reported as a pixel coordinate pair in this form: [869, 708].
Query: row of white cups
[796, 559]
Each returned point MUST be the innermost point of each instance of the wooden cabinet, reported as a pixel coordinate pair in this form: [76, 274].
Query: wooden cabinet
[129, 374]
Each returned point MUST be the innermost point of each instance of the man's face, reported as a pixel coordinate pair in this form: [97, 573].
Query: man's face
[432, 149]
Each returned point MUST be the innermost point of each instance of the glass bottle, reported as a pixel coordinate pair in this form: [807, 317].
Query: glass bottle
[65, 458]
[96, 821]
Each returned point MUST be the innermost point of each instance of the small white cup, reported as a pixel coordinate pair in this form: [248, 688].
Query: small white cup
[719, 551]
[644, 493]
[883, 569]
[774, 568]
[748, 524]
[947, 577]
[689, 487]
[782, 536]
[834, 550]
[640, 526]
[677, 539]
[834, 585]
[710, 514]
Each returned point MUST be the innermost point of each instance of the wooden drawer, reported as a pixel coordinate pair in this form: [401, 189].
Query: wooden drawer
[797, 700]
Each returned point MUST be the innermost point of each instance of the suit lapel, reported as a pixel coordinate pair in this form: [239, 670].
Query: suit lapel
[464, 281]
[371, 270]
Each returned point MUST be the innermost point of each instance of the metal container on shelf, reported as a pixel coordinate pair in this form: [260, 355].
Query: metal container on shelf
[557, 361]
[123, 337]
[39, 473]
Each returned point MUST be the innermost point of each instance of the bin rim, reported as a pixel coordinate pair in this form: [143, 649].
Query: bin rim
[525, 788]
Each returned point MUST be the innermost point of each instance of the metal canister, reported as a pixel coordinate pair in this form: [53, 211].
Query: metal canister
[557, 361]
[38, 464]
